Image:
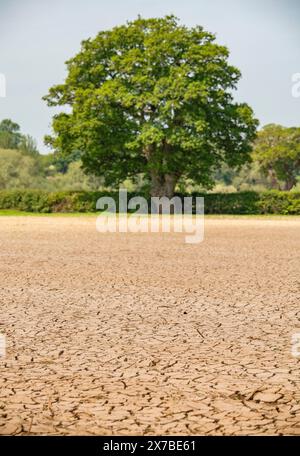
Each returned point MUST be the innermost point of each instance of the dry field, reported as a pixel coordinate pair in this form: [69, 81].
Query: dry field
[144, 334]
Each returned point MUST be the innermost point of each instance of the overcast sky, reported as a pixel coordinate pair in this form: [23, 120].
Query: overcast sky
[38, 36]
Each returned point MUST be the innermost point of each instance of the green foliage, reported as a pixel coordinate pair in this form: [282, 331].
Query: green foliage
[10, 135]
[248, 177]
[28, 145]
[244, 203]
[12, 139]
[152, 97]
[73, 179]
[20, 170]
[62, 162]
[17, 170]
[247, 203]
[277, 150]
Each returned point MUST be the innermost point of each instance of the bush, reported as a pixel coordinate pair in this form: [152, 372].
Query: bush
[231, 203]
[248, 203]
[272, 202]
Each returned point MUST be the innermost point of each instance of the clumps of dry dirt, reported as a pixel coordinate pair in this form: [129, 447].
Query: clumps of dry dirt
[144, 334]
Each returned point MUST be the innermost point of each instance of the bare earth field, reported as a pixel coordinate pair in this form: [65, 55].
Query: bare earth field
[144, 334]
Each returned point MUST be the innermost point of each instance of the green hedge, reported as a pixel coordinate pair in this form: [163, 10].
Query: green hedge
[272, 202]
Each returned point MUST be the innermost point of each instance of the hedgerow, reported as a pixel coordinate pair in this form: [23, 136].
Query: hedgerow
[271, 202]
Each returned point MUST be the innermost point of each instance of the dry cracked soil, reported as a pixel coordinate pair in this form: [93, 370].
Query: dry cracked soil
[143, 334]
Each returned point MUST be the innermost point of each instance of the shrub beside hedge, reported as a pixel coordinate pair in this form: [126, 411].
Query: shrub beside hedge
[272, 202]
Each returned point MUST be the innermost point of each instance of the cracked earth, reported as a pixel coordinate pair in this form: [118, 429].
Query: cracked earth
[142, 334]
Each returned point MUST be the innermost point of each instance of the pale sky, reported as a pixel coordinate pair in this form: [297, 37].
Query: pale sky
[38, 36]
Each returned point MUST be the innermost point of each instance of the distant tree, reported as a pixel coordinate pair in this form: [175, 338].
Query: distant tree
[247, 177]
[12, 138]
[75, 179]
[277, 150]
[152, 97]
[18, 171]
[61, 162]
[28, 145]
[10, 135]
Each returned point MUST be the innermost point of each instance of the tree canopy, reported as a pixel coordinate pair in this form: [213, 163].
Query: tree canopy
[12, 138]
[152, 97]
[277, 150]
[10, 135]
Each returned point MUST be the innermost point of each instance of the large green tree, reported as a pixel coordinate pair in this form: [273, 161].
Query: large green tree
[277, 150]
[152, 97]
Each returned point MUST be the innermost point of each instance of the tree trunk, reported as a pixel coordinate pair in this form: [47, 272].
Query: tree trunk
[289, 184]
[163, 185]
[274, 182]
